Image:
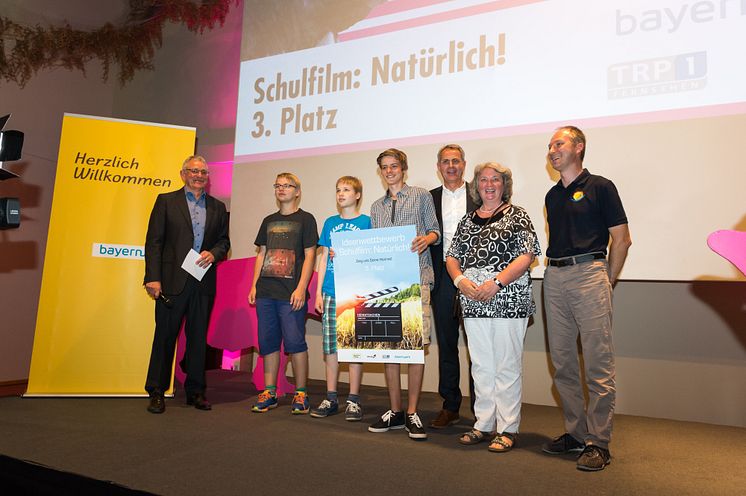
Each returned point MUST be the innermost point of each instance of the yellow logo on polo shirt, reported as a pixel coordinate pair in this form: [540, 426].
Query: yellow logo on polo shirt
[577, 196]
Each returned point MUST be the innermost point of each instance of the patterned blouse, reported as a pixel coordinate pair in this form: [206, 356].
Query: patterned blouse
[484, 249]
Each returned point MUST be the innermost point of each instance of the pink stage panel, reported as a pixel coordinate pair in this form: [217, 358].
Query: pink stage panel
[233, 324]
[731, 245]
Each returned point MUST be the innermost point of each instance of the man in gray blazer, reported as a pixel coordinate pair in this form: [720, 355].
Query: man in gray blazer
[182, 220]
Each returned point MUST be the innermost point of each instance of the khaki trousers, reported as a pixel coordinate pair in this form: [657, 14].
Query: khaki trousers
[577, 301]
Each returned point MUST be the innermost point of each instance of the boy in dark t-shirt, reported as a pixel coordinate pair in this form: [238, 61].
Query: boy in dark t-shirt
[284, 266]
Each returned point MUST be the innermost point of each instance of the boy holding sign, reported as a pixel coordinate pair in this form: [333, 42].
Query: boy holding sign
[349, 196]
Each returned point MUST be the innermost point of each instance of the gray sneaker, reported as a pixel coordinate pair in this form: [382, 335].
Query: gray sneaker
[594, 458]
[353, 412]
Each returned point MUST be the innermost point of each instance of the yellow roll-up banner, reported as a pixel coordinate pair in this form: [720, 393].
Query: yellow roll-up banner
[95, 322]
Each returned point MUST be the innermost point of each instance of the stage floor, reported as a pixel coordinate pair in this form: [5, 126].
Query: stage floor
[230, 450]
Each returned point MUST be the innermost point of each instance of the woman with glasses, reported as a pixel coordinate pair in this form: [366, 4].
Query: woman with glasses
[489, 260]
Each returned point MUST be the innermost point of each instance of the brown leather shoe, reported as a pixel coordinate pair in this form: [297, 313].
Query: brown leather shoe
[444, 419]
[157, 403]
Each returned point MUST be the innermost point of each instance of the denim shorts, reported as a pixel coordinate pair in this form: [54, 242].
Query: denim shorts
[279, 324]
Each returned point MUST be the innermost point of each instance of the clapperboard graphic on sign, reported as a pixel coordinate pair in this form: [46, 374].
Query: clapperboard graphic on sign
[378, 322]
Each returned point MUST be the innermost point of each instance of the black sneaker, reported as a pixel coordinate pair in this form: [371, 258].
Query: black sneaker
[562, 445]
[594, 458]
[414, 426]
[389, 420]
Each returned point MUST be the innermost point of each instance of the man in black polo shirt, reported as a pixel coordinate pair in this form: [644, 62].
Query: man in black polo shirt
[584, 211]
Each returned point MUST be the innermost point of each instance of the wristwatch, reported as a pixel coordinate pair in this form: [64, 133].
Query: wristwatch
[499, 284]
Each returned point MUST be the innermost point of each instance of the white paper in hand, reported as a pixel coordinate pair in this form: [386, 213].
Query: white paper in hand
[190, 265]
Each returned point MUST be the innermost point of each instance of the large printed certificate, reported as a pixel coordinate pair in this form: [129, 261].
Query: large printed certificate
[377, 286]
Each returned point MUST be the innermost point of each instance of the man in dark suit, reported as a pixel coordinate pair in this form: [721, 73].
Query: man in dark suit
[452, 202]
[182, 220]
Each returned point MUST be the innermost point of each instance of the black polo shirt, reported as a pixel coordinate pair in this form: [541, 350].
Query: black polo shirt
[580, 215]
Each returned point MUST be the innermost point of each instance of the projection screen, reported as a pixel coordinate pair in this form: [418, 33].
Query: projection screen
[659, 87]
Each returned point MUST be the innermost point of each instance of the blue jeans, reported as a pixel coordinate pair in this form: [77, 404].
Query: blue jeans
[278, 323]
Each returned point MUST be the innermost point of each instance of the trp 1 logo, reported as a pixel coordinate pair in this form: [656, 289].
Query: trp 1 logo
[661, 75]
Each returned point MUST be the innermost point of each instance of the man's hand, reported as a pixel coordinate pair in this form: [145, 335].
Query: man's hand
[205, 259]
[154, 289]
